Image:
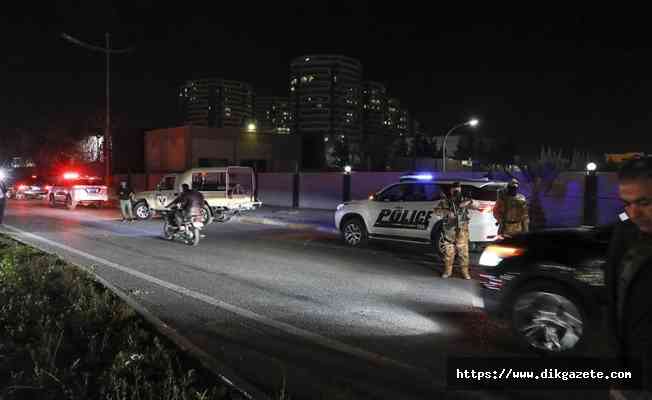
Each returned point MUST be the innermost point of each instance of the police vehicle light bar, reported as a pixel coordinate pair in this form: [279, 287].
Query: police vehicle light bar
[421, 177]
[71, 175]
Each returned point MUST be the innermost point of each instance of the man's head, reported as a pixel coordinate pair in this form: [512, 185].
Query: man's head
[456, 190]
[512, 187]
[185, 187]
[635, 187]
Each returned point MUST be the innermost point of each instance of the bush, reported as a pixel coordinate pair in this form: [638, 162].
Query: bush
[62, 336]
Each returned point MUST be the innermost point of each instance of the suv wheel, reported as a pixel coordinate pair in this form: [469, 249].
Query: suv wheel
[207, 218]
[142, 211]
[354, 232]
[548, 319]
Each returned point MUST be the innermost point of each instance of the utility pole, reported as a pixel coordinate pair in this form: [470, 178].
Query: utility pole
[108, 138]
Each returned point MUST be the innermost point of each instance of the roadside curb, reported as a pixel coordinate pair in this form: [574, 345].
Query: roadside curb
[183, 344]
[290, 225]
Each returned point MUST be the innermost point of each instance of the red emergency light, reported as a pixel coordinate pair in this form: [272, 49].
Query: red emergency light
[71, 175]
[34, 176]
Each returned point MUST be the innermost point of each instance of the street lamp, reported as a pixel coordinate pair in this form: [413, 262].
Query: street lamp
[472, 123]
[347, 169]
[107, 133]
[591, 167]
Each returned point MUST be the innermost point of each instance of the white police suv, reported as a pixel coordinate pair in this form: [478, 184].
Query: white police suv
[404, 212]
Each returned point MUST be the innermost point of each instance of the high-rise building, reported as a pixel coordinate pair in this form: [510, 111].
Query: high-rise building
[374, 108]
[216, 102]
[397, 118]
[326, 102]
[273, 114]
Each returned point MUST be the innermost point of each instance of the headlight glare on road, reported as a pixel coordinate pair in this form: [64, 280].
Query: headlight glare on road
[494, 254]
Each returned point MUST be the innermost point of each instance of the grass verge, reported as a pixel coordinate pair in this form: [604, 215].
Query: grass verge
[63, 336]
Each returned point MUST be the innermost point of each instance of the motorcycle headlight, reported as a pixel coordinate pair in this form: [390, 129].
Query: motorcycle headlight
[496, 253]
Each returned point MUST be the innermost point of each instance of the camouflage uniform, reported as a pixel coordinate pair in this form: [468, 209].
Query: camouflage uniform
[454, 237]
[511, 212]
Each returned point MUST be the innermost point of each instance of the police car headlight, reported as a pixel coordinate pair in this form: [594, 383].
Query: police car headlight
[494, 254]
[340, 207]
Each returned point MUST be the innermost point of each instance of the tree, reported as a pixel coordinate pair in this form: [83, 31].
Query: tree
[423, 146]
[466, 148]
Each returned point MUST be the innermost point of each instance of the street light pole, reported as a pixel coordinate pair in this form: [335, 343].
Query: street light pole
[107, 136]
[472, 122]
[107, 50]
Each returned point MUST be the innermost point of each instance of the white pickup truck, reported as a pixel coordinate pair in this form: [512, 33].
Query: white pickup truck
[227, 191]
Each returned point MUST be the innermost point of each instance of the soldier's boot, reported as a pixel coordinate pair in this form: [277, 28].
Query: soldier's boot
[465, 272]
[448, 270]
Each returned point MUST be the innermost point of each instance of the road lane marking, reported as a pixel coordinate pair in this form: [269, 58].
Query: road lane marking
[282, 326]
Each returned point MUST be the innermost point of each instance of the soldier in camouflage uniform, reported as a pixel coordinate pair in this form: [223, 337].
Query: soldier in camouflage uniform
[454, 239]
[628, 274]
[511, 211]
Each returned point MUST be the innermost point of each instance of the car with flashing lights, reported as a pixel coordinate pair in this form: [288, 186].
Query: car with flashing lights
[549, 285]
[403, 211]
[73, 189]
[227, 191]
[29, 188]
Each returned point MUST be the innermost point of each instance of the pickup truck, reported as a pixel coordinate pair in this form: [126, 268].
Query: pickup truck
[227, 191]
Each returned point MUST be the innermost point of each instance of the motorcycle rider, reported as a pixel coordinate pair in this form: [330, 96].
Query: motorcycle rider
[191, 203]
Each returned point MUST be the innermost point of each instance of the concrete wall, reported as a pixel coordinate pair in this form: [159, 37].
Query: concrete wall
[166, 149]
[609, 204]
[320, 190]
[563, 205]
[275, 189]
[139, 181]
[363, 183]
[178, 149]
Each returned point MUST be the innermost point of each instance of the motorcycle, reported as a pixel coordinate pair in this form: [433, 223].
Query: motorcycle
[189, 232]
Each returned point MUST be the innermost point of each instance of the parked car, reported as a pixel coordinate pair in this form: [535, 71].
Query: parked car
[29, 190]
[549, 285]
[73, 189]
[227, 191]
[403, 211]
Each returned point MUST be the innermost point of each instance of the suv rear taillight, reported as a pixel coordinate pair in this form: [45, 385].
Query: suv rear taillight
[486, 207]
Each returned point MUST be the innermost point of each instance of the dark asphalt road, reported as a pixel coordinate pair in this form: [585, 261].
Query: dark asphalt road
[277, 303]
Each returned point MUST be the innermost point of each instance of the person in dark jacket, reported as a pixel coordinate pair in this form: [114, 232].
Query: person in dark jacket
[629, 272]
[191, 203]
[126, 194]
[3, 199]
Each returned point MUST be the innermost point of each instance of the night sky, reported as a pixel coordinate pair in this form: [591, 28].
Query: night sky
[560, 77]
